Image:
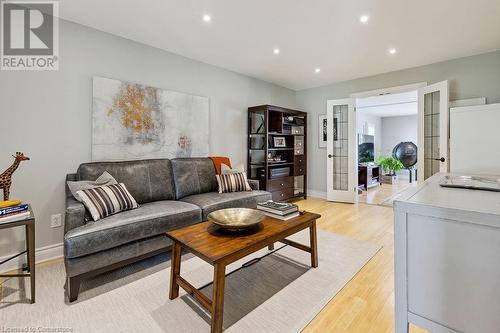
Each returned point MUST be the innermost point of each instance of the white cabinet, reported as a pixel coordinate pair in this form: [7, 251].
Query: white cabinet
[447, 259]
[474, 139]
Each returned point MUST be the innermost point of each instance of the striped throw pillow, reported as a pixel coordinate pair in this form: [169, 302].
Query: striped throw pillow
[107, 200]
[234, 182]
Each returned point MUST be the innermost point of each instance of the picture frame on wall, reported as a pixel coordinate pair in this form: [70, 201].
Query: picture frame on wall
[322, 131]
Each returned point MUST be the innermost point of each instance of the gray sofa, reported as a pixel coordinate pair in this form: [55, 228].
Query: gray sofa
[171, 194]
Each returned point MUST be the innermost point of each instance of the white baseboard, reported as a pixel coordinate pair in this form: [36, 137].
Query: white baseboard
[41, 254]
[316, 194]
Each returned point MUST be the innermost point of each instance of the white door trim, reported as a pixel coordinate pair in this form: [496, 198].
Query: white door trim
[390, 90]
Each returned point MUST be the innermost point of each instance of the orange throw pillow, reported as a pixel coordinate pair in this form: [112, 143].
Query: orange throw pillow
[218, 160]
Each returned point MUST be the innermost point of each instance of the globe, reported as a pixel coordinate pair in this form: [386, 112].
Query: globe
[406, 153]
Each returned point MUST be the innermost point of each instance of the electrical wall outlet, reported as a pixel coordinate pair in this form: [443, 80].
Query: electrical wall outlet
[55, 221]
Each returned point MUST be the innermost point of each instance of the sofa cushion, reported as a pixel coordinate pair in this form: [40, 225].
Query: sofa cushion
[146, 180]
[104, 179]
[148, 220]
[213, 201]
[193, 176]
[103, 201]
[103, 259]
[234, 182]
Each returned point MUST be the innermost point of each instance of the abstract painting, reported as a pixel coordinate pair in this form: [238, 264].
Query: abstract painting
[135, 121]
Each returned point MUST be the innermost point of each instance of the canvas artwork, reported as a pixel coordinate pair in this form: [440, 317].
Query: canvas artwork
[322, 131]
[134, 121]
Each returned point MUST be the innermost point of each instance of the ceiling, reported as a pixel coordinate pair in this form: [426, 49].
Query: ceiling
[393, 105]
[325, 34]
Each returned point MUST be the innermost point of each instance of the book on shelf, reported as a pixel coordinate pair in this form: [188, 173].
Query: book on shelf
[278, 208]
[283, 217]
[15, 217]
[13, 209]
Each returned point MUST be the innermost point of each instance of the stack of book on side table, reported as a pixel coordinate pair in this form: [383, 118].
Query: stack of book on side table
[279, 210]
[13, 212]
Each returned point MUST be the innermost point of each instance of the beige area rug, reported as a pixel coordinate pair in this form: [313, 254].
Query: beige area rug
[279, 293]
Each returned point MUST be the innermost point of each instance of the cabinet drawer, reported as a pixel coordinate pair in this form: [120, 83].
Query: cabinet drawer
[284, 194]
[299, 170]
[300, 160]
[298, 130]
[299, 143]
[279, 184]
[299, 151]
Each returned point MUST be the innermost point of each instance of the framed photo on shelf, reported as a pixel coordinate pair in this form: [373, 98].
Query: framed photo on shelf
[279, 142]
[322, 131]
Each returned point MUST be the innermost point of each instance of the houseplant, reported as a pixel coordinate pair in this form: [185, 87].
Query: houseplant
[389, 166]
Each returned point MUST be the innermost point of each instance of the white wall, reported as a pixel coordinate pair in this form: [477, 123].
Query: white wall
[469, 77]
[361, 118]
[396, 130]
[47, 115]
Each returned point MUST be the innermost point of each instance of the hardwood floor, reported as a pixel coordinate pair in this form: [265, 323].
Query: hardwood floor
[377, 195]
[366, 303]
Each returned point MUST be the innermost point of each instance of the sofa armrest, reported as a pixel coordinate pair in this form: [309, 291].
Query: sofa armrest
[75, 214]
[254, 184]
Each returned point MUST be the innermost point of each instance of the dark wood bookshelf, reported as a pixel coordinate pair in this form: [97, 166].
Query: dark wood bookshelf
[287, 178]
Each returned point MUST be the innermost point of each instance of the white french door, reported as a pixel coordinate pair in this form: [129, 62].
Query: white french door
[341, 151]
[433, 130]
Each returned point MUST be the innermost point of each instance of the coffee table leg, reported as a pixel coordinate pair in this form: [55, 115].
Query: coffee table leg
[218, 298]
[175, 270]
[314, 244]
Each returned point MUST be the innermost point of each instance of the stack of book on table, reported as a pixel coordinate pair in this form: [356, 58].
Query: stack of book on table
[14, 213]
[279, 210]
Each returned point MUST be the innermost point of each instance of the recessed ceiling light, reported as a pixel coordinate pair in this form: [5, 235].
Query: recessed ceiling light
[317, 70]
[207, 18]
[392, 51]
[276, 51]
[364, 18]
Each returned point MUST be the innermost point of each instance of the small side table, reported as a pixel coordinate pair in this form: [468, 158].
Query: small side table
[29, 224]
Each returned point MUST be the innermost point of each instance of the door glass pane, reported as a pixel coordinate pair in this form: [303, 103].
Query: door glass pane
[340, 158]
[431, 134]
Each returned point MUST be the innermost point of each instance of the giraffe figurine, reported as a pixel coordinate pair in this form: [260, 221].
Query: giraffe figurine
[6, 176]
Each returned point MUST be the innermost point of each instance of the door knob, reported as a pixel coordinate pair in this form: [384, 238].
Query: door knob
[440, 159]
[330, 155]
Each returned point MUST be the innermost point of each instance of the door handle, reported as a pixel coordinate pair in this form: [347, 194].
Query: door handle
[330, 155]
[440, 159]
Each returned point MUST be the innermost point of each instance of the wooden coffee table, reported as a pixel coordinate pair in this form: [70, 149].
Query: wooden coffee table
[221, 248]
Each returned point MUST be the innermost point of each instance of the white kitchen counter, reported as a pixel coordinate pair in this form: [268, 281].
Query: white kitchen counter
[447, 259]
